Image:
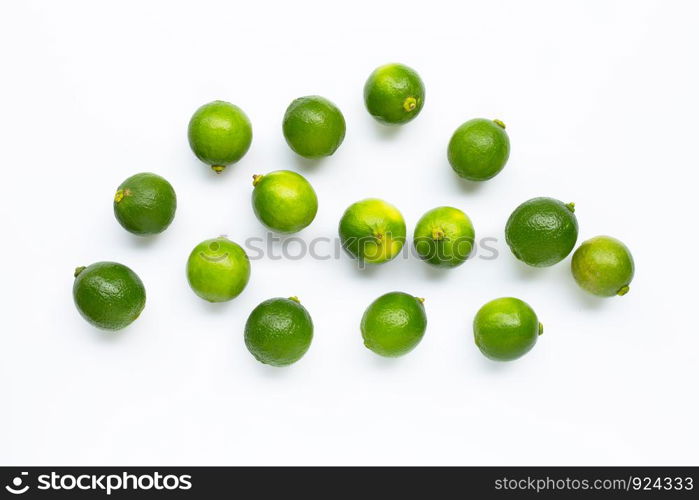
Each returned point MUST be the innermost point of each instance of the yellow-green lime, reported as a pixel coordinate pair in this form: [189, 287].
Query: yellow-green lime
[279, 331]
[505, 329]
[394, 324]
[313, 126]
[479, 149]
[603, 266]
[218, 269]
[394, 94]
[444, 237]
[284, 201]
[108, 295]
[219, 134]
[542, 231]
[144, 204]
[372, 231]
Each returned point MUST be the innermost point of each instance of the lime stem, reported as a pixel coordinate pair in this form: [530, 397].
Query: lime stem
[421, 300]
[499, 123]
[623, 290]
[541, 329]
[571, 206]
[438, 234]
[256, 179]
[379, 237]
[119, 195]
[78, 270]
[218, 168]
[295, 299]
[409, 104]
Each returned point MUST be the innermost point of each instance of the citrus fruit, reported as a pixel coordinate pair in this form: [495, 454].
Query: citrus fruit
[603, 266]
[506, 328]
[145, 204]
[108, 295]
[394, 94]
[219, 134]
[394, 324]
[279, 331]
[218, 269]
[372, 231]
[444, 237]
[479, 149]
[542, 231]
[284, 201]
[313, 126]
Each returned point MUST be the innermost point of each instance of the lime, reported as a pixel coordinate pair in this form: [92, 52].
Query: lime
[372, 231]
[284, 201]
[218, 269]
[506, 329]
[313, 126]
[219, 134]
[394, 94]
[479, 149]
[108, 295]
[279, 331]
[603, 266]
[145, 204]
[444, 237]
[542, 231]
[394, 324]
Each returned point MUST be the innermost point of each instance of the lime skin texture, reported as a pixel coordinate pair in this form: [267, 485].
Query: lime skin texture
[218, 269]
[506, 328]
[145, 204]
[279, 331]
[372, 231]
[313, 127]
[478, 150]
[444, 237]
[394, 94]
[603, 266]
[542, 231]
[108, 295]
[284, 201]
[394, 324]
[219, 134]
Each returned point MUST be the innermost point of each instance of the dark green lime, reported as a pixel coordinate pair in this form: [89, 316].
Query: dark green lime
[284, 201]
[394, 324]
[444, 237]
[145, 204]
[108, 295]
[603, 266]
[394, 94]
[219, 134]
[542, 231]
[313, 126]
[279, 331]
[505, 329]
[479, 149]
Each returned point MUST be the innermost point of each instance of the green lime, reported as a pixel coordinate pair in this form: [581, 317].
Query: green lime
[218, 269]
[394, 94]
[479, 149]
[145, 204]
[313, 126]
[372, 231]
[542, 231]
[219, 134]
[603, 266]
[108, 295]
[279, 331]
[444, 237]
[394, 324]
[284, 201]
[506, 329]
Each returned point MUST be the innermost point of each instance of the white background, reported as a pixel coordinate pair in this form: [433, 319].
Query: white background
[600, 102]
